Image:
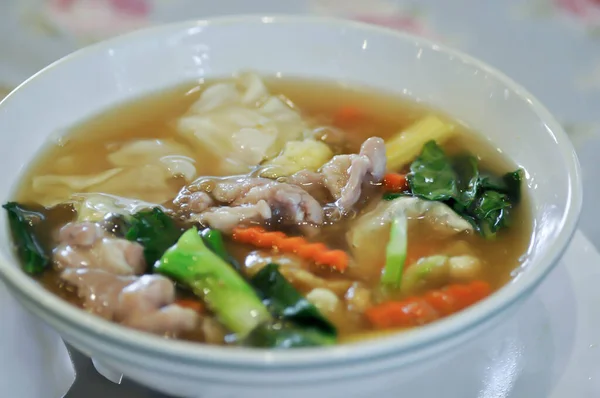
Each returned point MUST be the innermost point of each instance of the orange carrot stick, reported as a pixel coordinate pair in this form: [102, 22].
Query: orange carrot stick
[317, 252]
[347, 115]
[191, 304]
[394, 182]
[436, 304]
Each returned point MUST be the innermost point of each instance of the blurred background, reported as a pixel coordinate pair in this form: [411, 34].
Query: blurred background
[552, 47]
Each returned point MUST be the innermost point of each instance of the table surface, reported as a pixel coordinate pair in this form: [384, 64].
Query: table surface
[552, 47]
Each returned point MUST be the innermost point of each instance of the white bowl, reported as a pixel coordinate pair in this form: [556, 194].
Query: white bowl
[98, 77]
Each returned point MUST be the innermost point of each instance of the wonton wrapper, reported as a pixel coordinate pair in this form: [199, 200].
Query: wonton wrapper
[143, 170]
[369, 234]
[241, 124]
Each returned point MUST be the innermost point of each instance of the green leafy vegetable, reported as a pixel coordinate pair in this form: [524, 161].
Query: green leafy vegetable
[509, 183]
[467, 179]
[485, 200]
[155, 231]
[432, 176]
[395, 252]
[192, 264]
[285, 302]
[35, 259]
[285, 335]
[214, 240]
[491, 212]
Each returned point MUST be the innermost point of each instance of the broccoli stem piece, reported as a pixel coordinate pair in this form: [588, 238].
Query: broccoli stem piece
[224, 291]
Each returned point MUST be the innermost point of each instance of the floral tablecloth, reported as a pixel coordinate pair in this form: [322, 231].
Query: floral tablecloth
[550, 46]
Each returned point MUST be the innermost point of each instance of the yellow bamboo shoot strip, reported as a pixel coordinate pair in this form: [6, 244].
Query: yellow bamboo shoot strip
[406, 145]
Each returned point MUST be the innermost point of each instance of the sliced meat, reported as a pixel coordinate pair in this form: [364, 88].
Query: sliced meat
[226, 218]
[288, 202]
[99, 290]
[82, 234]
[117, 256]
[374, 150]
[311, 182]
[87, 245]
[144, 303]
[344, 175]
[246, 195]
[224, 190]
[359, 169]
[298, 200]
[335, 174]
[232, 189]
[305, 179]
[193, 202]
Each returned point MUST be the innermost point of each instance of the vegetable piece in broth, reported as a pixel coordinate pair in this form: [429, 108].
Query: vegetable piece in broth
[224, 291]
[395, 252]
[416, 311]
[432, 176]
[406, 145]
[32, 253]
[485, 202]
[467, 179]
[214, 240]
[284, 335]
[155, 231]
[286, 303]
[317, 252]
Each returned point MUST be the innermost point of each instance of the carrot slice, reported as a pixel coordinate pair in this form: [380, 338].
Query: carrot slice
[435, 304]
[191, 304]
[394, 182]
[317, 252]
[347, 114]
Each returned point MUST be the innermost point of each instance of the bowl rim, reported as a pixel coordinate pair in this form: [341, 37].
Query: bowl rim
[402, 343]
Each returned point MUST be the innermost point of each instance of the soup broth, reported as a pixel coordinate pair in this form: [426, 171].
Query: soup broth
[341, 116]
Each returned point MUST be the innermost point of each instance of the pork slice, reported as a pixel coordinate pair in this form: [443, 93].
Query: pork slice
[350, 194]
[220, 189]
[374, 150]
[312, 182]
[98, 289]
[146, 304]
[87, 245]
[193, 202]
[117, 256]
[248, 199]
[226, 218]
[289, 202]
[345, 175]
[83, 234]
[335, 174]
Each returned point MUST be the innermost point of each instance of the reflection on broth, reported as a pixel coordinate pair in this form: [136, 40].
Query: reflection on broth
[271, 213]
